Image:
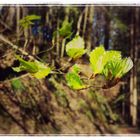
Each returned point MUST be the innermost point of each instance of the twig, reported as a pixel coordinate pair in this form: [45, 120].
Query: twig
[25, 44]
[16, 78]
[63, 47]
[57, 39]
[17, 20]
[87, 87]
[45, 50]
[5, 25]
[79, 22]
[4, 39]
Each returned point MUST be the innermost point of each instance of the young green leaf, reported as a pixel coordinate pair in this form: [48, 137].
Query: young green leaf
[112, 69]
[96, 59]
[74, 81]
[43, 70]
[75, 68]
[75, 48]
[111, 55]
[27, 20]
[30, 67]
[99, 57]
[117, 68]
[32, 17]
[37, 69]
[66, 29]
[127, 65]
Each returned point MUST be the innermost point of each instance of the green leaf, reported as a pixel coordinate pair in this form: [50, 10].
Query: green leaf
[99, 57]
[32, 17]
[75, 68]
[43, 70]
[112, 69]
[74, 81]
[66, 29]
[117, 68]
[27, 20]
[127, 65]
[96, 59]
[17, 69]
[111, 55]
[75, 48]
[37, 69]
[30, 67]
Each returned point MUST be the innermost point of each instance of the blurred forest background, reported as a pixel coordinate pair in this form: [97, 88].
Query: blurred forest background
[49, 106]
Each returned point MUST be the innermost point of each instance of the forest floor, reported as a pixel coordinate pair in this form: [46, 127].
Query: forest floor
[42, 110]
[128, 130]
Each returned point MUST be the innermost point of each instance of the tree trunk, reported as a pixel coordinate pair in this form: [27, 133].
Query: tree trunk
[85, 20]
[107, 29]
[133, 77]
[89, 32]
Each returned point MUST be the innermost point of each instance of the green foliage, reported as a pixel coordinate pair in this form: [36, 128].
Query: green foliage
[127, 65]
[66, 29]
[120, 25]
[17, 85]
[74, 81]
[117, 68]
[112, 55]
[43, 70]
[99, 57]
[30, 67]
[75, 68]
[75, 48]
[96, 59]
[109, 63]
[37, 69]
[27, 20]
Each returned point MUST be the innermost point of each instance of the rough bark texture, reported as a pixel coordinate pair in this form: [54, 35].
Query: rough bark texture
[133, 77]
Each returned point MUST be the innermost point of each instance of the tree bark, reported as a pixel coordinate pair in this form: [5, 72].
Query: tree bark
[107, 29]
[90, 23]
[133, 77]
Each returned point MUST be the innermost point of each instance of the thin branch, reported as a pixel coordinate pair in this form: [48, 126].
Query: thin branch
[17, 21]
[79, 22]
[45, 50]
[85, 20]
[63, 47]
[4, 39]
[16, 78]
[93, 86]
[5, 25]
[57, 40]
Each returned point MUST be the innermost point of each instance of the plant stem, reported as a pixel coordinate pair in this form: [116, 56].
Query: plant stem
[63, 47]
